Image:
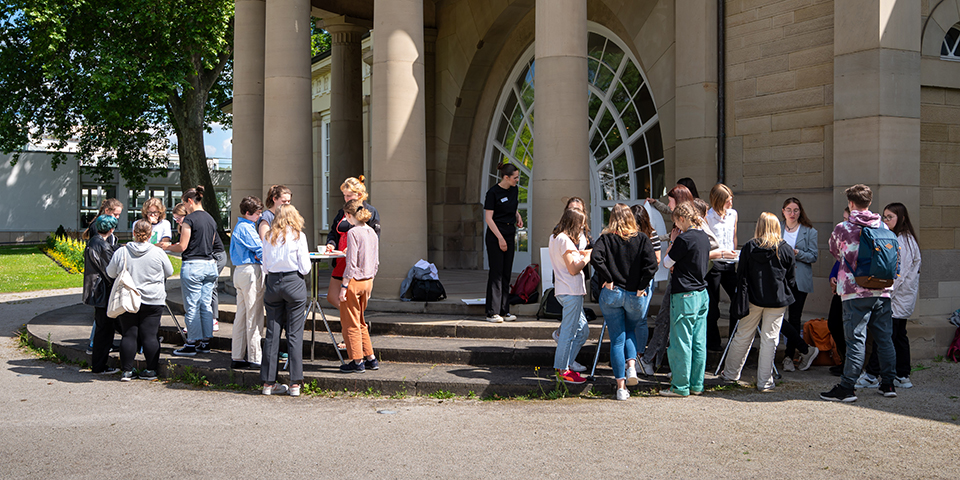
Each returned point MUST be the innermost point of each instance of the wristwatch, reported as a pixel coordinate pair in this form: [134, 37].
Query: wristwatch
[343, 285]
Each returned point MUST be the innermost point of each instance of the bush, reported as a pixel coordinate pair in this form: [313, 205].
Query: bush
[66, 251]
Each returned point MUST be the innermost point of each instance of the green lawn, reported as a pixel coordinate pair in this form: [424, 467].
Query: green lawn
[26, 268]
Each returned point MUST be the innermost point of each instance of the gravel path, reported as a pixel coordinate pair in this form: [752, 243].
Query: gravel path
[59, 422]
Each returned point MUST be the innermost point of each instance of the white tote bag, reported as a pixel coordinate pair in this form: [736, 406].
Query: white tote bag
[124, 296]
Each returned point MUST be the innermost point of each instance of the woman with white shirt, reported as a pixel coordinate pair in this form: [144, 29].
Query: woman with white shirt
[722, 220]
[799, 233]
[568, 256]
[286, 260]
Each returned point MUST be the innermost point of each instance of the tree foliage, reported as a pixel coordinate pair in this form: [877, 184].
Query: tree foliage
[319, 39]
[119, 77]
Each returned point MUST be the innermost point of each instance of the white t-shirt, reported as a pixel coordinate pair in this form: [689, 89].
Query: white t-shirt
[723, 228]
[564, 283]
[161, 229]
[791, 237]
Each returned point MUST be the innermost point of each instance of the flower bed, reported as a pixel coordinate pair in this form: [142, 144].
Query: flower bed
[67, 252]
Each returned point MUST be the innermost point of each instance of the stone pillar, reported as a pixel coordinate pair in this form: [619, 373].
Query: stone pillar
[346, 104]
[248, 57]
[436, 177]
[876, 96]
[696, 104]
[287, 144]
[560, 131]
[398, 163]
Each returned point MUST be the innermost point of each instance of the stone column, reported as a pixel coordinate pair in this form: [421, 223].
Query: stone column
[248, 57]
[398, 165]
[346, 104]
[562, 153]
[696, 104]
[876, 96]
[287, 145]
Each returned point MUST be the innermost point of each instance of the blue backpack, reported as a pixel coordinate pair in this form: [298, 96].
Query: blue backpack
[878, 258]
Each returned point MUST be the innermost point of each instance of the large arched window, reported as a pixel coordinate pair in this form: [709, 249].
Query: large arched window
[626, 161]
[951, 44]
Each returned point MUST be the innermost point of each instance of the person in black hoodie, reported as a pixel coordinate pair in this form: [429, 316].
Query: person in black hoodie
[625, 263]
[767, 271]
[96, 290]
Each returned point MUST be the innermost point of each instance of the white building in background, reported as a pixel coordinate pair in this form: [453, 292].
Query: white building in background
[36, 199]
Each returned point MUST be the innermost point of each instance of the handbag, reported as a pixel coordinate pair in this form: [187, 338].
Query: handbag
[124, 296]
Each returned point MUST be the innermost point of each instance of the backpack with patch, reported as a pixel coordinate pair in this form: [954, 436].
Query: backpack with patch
[816, 332]
[549, 306]
[526, 289]
[878, 258]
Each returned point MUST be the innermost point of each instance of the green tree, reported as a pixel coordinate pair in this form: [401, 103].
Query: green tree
[319, 38]
[119, 77]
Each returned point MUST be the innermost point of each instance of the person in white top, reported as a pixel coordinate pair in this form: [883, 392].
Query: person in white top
[154, 213]
[568, 259]
[286, 260]
[722, 220]
[903, 300]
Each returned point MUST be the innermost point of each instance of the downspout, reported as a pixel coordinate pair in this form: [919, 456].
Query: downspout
[721, 93]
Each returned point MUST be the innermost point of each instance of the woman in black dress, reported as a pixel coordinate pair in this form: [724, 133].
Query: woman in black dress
[502, 219]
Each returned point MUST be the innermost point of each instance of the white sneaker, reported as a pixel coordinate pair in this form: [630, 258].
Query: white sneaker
[495, 319]
[294, 390]
[623, 394]
[788, 364]
[576, 367]
[509, 317]
[216, 325]
[556, 335]
[807, 360]
[867, 381]
[275, 389]
[902, 382]
[645, 367]
[632, 379]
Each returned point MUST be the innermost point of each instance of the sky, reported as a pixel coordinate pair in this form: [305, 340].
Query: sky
[217, 144]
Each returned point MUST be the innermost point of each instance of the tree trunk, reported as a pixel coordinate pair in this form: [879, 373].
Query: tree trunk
[193, 157]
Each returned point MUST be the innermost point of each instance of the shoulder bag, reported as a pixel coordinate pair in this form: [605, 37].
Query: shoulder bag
[124, 297]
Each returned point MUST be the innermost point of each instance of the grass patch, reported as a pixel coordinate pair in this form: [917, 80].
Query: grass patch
[190, 377]
[442, 395]
[24, 268]
[44, 353]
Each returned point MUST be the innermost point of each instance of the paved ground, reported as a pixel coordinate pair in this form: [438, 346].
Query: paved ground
[59, 422]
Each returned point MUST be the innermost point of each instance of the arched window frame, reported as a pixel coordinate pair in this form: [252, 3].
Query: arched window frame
[950, 50]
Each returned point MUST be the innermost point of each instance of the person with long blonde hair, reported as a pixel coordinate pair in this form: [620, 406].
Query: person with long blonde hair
[688, 257]
[361, 265]
[767, 270]
[625, 263]
[286, 261]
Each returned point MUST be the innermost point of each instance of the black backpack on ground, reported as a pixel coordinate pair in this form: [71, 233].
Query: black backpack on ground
[549, 306]
[428, 290]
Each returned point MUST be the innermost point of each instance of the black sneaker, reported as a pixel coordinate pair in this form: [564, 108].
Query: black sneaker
[147, 375]
[253, 366]
[188, 350]
[239, 364]
[371, 364]
[203, 347]
[352, 367]
[839, 394]
[888, 390]
[127, 376]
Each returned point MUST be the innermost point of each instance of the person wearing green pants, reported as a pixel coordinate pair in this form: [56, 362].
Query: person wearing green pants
[688, 257]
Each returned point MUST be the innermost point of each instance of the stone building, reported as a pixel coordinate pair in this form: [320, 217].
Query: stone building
[425, 97]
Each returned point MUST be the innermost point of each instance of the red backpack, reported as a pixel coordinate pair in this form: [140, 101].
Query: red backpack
[527, 284]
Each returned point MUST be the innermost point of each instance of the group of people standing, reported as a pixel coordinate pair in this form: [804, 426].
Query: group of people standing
[271, 256]
[768, 280]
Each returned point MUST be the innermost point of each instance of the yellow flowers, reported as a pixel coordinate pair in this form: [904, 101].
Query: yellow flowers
[66, 251]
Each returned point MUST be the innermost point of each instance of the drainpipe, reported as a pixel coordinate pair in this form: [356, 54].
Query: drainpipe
[721, 93]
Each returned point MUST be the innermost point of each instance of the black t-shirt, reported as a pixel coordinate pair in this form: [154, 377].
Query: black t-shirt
[203, 235]
[503, 203]
[691, 252]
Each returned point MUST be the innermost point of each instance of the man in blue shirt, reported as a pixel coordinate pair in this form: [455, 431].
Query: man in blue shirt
[246, 253]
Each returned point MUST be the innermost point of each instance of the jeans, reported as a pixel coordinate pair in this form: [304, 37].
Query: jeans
[623, 311]
[769, 320]
[901, 345]
[859, 314]
[642, 331]
[688, 341]
[794, 324]
[573, 331]
[197, 280]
